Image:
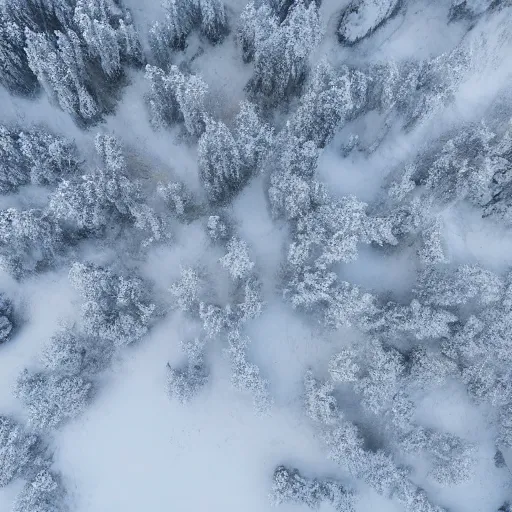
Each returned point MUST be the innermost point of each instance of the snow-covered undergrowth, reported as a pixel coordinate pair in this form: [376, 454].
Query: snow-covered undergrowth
[255, 255]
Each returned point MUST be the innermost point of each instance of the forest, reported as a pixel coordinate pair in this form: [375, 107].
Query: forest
[256, 255]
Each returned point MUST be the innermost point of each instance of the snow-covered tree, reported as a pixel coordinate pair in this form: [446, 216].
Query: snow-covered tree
[343, 366]
[220, 165]
[214, 21]
[319, 401]
[185, 382]
[218, 229]
[41, 15]
[254, 137]
[106, 197]
[108, 33]
[257, 23]
[451, 457]
[281, 59]
[362, 17]
[215, 319]
[288, 485]
[15, 73]
[448, 287]
[246, 375]
[381, 379]
[7, 321]
[51, 399]
[69, 352]
[44, 493]
[175, 97]
[178, 198]
[432, 250]
[237, 260]
[115, 307]
[181, 18]
[21, 454]
[331, 98]
[59, 66]
[34, 157]
[419, 320]
[29, 241]
[186, 291]
[469, 8]
[251, 303]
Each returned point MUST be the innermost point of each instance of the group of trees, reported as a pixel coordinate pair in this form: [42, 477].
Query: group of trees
[23, 455]
[348, 447]
[280, 49]
[194, 295]
[290, 486]
[74, 50]
[453, 327]
[181, 18]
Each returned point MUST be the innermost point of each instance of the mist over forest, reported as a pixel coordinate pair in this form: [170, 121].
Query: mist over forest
[256, 255]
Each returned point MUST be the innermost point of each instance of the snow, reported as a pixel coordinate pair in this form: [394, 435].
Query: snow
[137, 450]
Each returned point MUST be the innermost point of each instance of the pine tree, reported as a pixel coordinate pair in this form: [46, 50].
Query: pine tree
[331, 98]
[59, 67]
[29, 241]
[290, 486]
[281, 60]
[217, 228]
[181, 16]
[34, 157]
[72, 353]
[52, 399]
[214, 22]
[186, 291]
[254, 138]
[220, 165]
[176, 97]
[21, 454]
[42, 15]
[15, 73]
[469, 8]
[185, 382]
[45, 493]
[237, 260]
[114, 308]
[246, 375]
[101, 39]
[321, 406]
[362, 17]
[256, 25]
[7, 321]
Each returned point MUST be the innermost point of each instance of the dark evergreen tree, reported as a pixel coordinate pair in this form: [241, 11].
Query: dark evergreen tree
[7, 321]
[15, 73]
[362, 17]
